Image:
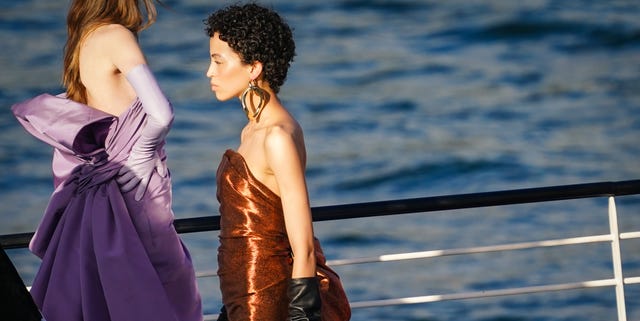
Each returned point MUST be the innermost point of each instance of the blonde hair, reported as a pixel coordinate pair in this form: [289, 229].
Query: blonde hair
[84, 17]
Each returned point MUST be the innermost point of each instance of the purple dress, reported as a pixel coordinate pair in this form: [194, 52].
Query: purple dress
[105, 256]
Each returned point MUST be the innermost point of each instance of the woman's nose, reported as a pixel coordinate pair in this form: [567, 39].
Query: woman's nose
[209, 72]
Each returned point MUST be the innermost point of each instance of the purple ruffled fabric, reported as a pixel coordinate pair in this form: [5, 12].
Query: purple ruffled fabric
[104, 255]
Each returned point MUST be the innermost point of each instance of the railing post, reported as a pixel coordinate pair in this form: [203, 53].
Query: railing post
[617, 260]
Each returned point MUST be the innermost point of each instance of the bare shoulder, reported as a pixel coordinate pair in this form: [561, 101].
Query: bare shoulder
[110, 31]
[111, 36]
[284, 143]
[115, 46]
[286, 131]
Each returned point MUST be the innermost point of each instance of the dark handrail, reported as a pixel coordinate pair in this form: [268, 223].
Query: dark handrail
[412, 205]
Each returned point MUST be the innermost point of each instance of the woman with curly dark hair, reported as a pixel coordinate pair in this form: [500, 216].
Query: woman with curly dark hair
[271, 266]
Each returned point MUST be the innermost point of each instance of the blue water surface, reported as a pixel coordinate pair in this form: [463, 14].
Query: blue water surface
[398, 99]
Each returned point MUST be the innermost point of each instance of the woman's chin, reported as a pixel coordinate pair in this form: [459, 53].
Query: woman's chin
[222, 97]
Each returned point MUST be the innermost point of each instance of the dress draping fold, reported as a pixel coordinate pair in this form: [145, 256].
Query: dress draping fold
[105, 256]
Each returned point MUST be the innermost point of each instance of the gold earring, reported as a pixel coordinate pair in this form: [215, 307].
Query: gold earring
[249, 108]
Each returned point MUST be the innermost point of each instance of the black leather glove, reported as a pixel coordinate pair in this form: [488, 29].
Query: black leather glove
[304, 299]
[223, 314]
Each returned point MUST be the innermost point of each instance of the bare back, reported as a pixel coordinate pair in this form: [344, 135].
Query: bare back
[106, 55]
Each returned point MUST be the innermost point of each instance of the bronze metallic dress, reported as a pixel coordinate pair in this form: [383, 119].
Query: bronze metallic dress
[254, 257]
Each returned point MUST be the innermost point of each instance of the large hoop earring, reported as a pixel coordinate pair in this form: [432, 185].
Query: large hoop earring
[252, 110]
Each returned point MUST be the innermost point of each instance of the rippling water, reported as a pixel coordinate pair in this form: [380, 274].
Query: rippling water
[398, 99]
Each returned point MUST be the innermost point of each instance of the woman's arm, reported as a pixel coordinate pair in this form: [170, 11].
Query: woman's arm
[285, 160]
[126, 56]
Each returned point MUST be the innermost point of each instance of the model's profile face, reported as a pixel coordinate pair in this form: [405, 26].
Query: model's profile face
[228, 75]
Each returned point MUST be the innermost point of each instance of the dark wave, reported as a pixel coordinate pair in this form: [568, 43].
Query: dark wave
[563, 35]
[361, 239]
[583, 36]
[174, 73]
[383, 75]
[433, 173]
[523, 78]
[608, 38]
[522, 29]
[30, 24]
[398, 106]
[387, 7]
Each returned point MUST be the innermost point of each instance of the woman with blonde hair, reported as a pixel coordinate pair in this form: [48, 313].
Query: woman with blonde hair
[107, 242]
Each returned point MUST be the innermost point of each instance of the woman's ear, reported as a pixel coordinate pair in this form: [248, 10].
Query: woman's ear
[255, 70]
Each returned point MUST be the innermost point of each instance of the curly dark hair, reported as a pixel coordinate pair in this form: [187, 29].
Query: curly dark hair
[259, 34]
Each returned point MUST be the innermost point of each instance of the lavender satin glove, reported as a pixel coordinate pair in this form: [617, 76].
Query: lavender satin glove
[144, 158]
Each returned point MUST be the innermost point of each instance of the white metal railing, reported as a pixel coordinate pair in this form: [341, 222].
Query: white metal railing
[617, 260]
[614, 237]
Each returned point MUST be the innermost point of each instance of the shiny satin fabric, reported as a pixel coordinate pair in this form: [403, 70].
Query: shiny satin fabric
[254, 261]
[105, 256]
